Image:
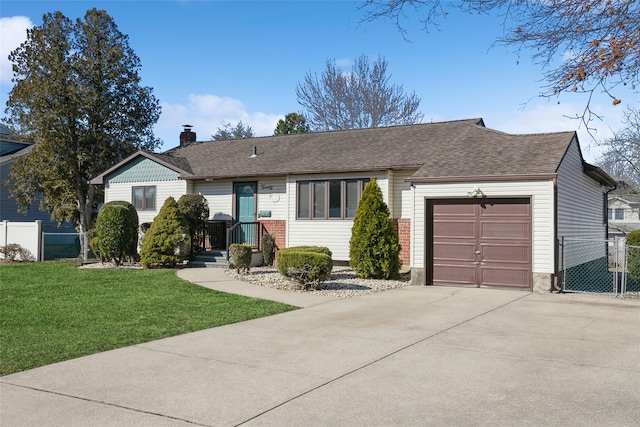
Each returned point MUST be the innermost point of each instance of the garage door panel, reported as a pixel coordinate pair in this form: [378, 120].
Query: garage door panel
[505, 277]
[454, 251]
[512, 254]
[456, 210]
[505, 230]
[454, 274]
[514, 209]
[452, 229]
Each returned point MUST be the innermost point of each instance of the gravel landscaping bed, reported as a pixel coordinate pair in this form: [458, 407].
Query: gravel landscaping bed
[343, 282]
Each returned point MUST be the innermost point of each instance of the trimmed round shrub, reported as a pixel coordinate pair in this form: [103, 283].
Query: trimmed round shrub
[309, 266]
[116, 237]
[268, 248]
[633, 259]
[165, 242]
[241, 256]
[318, 249]
[374, 248]
[195, 209]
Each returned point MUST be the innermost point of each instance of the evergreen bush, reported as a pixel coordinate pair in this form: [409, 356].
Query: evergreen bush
[165, 242]
[309, 268]
[633, 259]
[374, 248]
[116, 235]
[241, 256]
[195, 209]
[268, 248]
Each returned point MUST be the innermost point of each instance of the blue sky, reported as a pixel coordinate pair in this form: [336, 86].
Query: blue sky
[210, 62]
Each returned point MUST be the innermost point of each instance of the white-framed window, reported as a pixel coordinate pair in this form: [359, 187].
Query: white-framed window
[144, 197]
[329, 199]
[619, 213]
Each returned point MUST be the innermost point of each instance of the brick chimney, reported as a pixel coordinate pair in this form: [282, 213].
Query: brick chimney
[186, 136]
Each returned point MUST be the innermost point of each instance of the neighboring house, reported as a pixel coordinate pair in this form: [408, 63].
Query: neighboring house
[11, 148]
[623, 210]
[473, 206]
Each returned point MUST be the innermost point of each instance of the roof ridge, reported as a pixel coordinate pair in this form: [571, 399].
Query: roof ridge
[474, 120]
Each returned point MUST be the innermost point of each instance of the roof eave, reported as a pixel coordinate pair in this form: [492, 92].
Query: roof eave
[598, 175]
[478, 178]
[300, 172]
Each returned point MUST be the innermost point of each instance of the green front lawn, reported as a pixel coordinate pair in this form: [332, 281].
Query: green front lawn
[53, 311]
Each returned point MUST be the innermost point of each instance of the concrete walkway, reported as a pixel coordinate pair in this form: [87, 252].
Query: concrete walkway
[412, 356]
[216, 278]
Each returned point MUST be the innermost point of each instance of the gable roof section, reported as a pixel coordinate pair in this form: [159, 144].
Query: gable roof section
[166, 161]
[446, 151]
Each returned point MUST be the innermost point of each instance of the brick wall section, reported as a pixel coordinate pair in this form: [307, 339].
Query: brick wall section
[276, 227]
[403, 229]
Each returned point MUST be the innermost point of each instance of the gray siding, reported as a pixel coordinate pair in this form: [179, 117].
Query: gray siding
[580, 199]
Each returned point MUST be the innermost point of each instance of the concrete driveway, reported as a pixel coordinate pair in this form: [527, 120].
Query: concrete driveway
[413, 356]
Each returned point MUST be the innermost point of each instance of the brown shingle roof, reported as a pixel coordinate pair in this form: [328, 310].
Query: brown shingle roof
[462, 148]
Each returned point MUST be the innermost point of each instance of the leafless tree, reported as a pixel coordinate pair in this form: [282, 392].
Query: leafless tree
[621, 156]
[583, 46]
[362, 98]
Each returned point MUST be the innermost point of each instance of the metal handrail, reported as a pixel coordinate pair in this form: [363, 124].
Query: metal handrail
[232, 231]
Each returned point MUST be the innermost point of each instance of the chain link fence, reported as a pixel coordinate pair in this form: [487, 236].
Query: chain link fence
[60, 245]
[600, 266]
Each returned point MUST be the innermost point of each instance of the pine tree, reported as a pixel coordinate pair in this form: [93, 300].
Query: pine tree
[374, 247]
[165, 242]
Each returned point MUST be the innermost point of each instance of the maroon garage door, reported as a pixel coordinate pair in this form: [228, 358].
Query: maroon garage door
[479, 242]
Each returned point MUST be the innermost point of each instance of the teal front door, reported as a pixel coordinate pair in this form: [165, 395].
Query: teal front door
[246, 210]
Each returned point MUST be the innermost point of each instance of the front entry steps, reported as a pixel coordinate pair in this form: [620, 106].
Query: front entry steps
[210, 259]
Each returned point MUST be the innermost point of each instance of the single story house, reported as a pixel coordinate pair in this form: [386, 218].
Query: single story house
[472, 206]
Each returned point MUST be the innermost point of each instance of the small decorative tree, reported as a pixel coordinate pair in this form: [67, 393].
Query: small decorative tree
[268, 248]
[165, 242]
[195, 209]
[374, 248]
[117, 232]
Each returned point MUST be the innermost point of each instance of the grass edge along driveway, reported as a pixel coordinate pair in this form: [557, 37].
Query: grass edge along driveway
[54, 311]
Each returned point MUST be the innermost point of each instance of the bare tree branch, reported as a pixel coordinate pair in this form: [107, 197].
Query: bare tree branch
[363, 98]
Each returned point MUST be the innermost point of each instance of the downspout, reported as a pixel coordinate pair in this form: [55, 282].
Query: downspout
[605, 210]
[556, 285]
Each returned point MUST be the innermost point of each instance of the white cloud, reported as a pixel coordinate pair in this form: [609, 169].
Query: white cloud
[206, 113]
[13, 31]
[545, 118]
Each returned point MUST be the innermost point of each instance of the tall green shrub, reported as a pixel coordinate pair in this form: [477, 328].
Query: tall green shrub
[117, 232]
[195, 209]
[633, 260]
[164, 243]
[374, 248]
[268, 248]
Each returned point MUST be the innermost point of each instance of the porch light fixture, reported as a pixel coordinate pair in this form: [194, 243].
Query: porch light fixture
[255, 153]
[475, 192]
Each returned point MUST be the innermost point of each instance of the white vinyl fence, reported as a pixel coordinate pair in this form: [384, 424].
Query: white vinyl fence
[25, 234]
